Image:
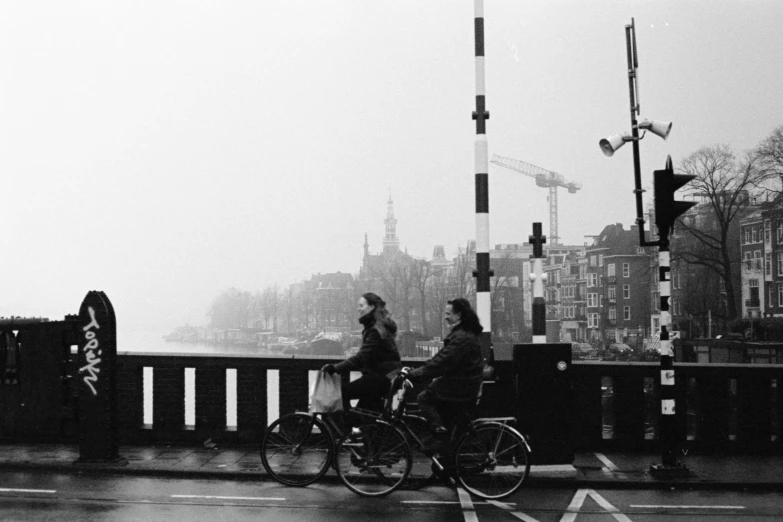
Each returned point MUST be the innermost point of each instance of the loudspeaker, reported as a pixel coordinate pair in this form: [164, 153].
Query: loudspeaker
[614, 142]
[659, 128]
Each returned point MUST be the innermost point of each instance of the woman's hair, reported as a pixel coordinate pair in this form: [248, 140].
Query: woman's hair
[467, 317]
[383, 321]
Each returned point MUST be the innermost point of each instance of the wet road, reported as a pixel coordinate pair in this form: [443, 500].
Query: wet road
[39, 496]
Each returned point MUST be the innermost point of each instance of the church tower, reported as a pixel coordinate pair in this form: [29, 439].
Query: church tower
[391, 245]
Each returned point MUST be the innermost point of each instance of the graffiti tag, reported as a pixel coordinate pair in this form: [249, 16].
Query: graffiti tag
[92, 352]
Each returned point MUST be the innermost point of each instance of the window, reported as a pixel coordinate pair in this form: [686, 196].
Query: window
[610, 270]
[592, 320]
[757, 259]
[780, 231]
[612, 313]
[768, 264]
[746, 235]
[601, 301]
[754, 291]
[582, 271]
[640, 250]
[780, 264]
[767, 231]
[592, 261]
[626, 291]
[612, 293]
[627, 313]
[600, 260]
[754, 234]
[592, 277]
[780, 293]
[626, 270]
[770, 296]
[592, 300]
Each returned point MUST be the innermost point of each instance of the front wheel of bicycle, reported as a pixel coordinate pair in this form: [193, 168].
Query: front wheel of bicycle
[492, 460]
[377, 462]
[297, 449]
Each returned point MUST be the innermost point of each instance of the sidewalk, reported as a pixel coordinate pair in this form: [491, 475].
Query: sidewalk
[589, 470]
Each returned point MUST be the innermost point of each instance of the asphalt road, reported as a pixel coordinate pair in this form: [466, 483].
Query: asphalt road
[38, 496]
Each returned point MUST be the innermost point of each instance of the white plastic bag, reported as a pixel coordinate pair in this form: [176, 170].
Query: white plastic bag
[326, 395]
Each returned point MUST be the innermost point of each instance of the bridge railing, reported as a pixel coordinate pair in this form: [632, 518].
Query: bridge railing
[189, 398]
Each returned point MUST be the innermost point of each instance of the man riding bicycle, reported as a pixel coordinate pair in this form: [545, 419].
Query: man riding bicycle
[456, 371]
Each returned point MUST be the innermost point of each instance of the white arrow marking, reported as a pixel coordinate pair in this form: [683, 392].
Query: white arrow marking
[579, 499]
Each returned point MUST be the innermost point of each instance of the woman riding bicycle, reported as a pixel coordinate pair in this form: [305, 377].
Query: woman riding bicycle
[457, 370]
[377, 357]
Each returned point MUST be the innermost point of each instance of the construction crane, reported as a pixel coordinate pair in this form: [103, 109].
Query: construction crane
[544, 178]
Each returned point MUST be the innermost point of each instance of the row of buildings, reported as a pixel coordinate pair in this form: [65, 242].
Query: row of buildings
[603, 291]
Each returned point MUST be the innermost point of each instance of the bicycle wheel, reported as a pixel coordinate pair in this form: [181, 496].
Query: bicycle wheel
[493, 461]
[297, 449]
[378, 463]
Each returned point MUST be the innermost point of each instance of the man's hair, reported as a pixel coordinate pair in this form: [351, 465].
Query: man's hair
[468, 318]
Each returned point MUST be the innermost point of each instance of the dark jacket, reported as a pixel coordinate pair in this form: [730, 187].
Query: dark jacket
[377, 355]
[457, 368]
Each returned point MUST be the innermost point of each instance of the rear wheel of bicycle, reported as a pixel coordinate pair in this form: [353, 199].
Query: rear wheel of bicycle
[376, 463]
[297, 449]
[492, 462]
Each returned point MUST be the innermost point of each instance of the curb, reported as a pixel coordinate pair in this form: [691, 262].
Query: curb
[534, 482]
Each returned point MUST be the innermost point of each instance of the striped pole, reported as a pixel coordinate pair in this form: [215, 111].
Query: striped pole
[538, 278]
[483, 272]
[668, 422]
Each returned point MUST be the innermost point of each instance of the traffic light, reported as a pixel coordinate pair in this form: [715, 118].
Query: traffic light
[666, 183]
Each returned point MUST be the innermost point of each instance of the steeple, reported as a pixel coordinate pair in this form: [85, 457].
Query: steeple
[366, 246]
[391, 244]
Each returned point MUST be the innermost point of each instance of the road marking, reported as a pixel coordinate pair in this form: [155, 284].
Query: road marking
[468, 511]
[507, 507]
[579, 499]
[13, 490]
[216, 497]
[431, 502]
[608, 463]
[652, 506]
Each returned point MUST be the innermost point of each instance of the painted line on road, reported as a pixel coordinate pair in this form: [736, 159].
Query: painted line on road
[14, 490]
[216, 497]
[468, 511]
[508, 507]
[606, 462]
[652, 506]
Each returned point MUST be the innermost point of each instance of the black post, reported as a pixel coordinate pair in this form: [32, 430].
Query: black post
[98, 440]
[538, 277]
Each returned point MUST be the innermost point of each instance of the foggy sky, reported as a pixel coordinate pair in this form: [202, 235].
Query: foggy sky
[163, 151]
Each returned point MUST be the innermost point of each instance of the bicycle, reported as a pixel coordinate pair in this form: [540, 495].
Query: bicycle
[298, 448]
[490, 458]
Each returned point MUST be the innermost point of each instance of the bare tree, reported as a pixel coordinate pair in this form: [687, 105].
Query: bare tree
[421, 272]
[230, 309]
[723, 182]
[770, 154]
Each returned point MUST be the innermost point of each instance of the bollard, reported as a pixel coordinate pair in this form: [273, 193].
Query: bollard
[96, 379]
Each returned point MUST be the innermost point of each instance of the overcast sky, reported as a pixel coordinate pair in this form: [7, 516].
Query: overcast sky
[163, 151]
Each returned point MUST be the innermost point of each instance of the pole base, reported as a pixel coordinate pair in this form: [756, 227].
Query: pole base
[668, 471]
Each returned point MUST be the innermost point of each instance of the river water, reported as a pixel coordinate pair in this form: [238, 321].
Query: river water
[152, 342]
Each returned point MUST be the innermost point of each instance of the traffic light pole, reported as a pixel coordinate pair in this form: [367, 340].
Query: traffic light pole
[668, 421]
